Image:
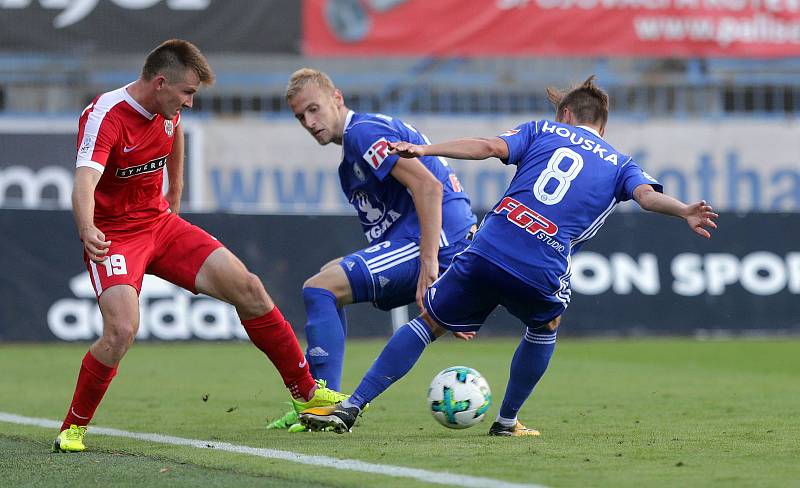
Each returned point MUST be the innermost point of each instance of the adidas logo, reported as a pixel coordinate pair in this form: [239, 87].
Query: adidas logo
[318, 352]
[383, 281]
[349, 265]
[170, 313]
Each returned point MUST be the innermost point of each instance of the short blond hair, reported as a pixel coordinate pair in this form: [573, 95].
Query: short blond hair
[305, 75]
[588, 102]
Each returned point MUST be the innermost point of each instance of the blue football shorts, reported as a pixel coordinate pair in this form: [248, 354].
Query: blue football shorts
[386, 274]
[472, 287]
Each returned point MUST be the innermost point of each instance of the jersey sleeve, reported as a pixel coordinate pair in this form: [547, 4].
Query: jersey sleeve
[96, 138]
[369, 142]
[519, 140]
[631, 176]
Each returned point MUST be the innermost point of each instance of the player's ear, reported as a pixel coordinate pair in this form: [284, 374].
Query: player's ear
[159, 81]
[338, 97]
[564, 115]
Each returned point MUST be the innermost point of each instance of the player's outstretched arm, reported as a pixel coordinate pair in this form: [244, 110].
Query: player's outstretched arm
[698, 215]
[465, 148]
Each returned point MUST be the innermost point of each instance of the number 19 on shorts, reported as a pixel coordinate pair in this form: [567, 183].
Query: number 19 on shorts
[115, 265]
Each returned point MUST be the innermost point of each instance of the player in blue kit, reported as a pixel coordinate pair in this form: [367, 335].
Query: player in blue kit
[568, 181]
[413, 212]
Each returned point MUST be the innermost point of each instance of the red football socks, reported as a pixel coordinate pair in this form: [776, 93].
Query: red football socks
[274, 335]
[93, 381]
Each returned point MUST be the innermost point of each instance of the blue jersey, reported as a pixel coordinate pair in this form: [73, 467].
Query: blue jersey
[384, 205]
[568, 181]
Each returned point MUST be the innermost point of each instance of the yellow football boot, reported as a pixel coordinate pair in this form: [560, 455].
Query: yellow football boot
[70, 440]
[517, 430]
[323, 396]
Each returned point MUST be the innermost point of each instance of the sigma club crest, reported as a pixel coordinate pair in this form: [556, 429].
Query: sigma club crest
[370, 209]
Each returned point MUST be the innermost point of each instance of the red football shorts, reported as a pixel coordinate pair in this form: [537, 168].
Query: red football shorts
[170, 248]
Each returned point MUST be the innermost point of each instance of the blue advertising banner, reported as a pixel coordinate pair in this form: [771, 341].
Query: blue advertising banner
[274, 166]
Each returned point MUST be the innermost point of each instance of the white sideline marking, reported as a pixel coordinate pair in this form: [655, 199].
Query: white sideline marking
[441, 478]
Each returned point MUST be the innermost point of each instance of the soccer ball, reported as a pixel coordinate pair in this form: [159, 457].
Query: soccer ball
[459, 397]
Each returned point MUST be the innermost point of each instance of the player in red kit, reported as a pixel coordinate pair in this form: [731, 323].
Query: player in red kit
[129, 227]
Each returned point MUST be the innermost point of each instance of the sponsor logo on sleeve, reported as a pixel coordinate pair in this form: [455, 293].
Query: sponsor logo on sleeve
[455, 184]
[377, 153]
[86, 145]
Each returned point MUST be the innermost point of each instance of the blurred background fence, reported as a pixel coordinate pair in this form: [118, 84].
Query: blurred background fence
[704, 95]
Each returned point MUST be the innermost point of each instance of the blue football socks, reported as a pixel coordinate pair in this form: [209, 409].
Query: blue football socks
[398, 356]
[325, 334]
[529, 364]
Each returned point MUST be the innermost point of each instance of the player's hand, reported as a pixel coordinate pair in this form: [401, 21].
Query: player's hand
[428, 273]
[699, 216]
[406, 149]
[95, 244]
[465, 336]
[174, 203]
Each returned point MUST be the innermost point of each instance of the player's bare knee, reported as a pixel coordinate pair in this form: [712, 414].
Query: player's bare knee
[330, 279]
[246, 293]
[331, 263]
[313, 282]
[325, 279]
[119, 337]
[436, 329]
[253, 292]
[552, 326]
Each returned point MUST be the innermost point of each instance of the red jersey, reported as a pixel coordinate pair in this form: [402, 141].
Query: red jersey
[129, 146]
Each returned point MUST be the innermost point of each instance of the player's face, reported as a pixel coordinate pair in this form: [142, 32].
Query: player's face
[175, 95]
[319, 112]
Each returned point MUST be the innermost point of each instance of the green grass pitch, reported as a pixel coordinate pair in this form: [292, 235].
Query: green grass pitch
[631, 413]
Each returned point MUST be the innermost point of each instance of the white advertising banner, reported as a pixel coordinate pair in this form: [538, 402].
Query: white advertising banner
[275, 165]
[256, 165]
